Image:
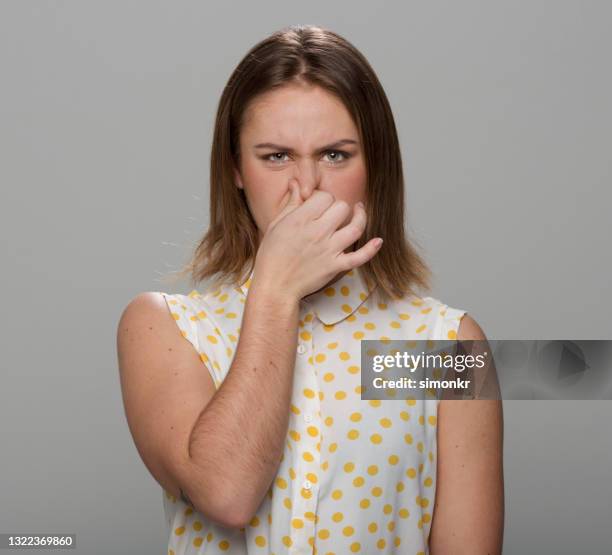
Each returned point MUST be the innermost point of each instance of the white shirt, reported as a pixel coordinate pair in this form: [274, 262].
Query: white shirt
[356, 476]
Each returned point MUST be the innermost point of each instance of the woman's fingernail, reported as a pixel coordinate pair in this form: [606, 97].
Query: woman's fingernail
[378, 242]
[361, 204]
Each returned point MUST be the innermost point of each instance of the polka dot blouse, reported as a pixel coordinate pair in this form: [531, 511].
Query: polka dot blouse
[356, 476]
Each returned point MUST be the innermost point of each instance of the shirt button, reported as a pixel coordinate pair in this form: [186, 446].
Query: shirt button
[301, 348]
[307, 484]
[307, 417]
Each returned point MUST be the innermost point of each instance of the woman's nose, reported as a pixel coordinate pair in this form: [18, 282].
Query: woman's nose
[309, 177]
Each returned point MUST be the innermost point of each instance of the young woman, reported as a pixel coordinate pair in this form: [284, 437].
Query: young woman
[245, 401]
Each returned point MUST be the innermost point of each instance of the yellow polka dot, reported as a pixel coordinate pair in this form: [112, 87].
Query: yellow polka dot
[224, 545]
[323, 534]
[376, 491]
[287, 541]
[179, 531]
[372, 470]
[364, 503]
[308, 457]
[329, 421]
[376, 438]
[355, 547]
[349, 467]
[281, 483]
[452, 334]
[348, 530]
[329, 376]
[313, 431]
[411, 473]
[320, 358]
[306, 336]
[346, 308]
[355, 417]
[404, 513]
[336, 494]
[308, 393]
[393, 459]
[212, 339]
[197, 525]
[297, 523]
[408, 439]
[353, 434]
[330, 291]
[385, 422]
[340, 395]
[260, 541]
[421, 328]
[427, 482]
[432, 419]
[358, 482]
[381, 543]
[374, 403]
[353, 369]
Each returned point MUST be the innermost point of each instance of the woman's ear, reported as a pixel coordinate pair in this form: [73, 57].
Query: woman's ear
[237, 179]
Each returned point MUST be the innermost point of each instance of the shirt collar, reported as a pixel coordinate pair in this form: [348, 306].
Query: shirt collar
[336, 302]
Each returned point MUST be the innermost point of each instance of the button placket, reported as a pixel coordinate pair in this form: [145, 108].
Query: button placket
[305, 497]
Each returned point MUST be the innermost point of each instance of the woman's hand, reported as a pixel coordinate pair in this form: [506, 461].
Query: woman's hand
[303, 249]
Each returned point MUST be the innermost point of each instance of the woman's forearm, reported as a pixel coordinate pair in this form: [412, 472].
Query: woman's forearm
[237, 441]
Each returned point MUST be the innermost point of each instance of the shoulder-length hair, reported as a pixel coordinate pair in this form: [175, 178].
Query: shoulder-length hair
[317, 56]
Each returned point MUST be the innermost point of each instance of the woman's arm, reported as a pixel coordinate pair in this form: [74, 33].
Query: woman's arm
[218, 450]
[469, 505]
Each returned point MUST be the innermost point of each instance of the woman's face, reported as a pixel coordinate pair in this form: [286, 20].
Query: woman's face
[304, 132]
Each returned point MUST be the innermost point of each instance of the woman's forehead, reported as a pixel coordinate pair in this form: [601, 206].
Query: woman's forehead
[298, 118]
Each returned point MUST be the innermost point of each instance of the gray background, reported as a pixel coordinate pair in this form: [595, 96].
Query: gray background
[503, 111]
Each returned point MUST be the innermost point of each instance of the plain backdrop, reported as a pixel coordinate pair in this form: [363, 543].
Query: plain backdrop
[503, 111]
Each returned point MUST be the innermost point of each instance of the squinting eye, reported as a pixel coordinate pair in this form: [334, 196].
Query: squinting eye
[273, 154]
[344, 155]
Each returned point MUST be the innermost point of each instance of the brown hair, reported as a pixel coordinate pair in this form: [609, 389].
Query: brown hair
[318, 56]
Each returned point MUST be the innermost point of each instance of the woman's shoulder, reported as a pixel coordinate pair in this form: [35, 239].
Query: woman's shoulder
[464, 324]
[433, 313]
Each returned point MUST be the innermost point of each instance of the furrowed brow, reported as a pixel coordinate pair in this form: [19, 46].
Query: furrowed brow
[336, 144]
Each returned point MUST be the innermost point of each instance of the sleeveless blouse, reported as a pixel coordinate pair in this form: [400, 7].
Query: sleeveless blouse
[356, 476]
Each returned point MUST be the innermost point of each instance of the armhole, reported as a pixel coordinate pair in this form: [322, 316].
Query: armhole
[185, 316]
[447, 325]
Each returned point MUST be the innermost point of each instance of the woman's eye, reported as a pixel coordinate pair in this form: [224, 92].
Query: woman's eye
[268, 157]
[343, 156]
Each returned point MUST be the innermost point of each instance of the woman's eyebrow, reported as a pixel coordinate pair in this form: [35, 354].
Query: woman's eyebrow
[331, 146]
